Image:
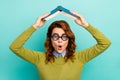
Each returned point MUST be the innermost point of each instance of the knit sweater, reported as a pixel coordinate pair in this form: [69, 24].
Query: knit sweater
[60, 70]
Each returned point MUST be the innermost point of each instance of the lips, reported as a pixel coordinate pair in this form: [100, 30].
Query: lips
[59, 47]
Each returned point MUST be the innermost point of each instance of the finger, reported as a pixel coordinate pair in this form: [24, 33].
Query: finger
[80, 16]
[46, 14]
[77, 14]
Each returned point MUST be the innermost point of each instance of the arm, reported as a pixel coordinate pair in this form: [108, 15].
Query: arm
[102, 41]
[102, 44]
[17, 45]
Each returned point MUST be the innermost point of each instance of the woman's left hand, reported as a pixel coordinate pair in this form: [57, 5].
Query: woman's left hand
[80, 20]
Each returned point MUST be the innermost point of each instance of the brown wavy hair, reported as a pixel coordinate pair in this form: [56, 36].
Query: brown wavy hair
[71, 44]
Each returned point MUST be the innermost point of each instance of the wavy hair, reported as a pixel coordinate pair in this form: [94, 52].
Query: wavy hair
[71, 44]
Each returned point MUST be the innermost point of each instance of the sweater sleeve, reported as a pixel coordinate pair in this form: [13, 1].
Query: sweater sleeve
[102, 44]
[18, 49]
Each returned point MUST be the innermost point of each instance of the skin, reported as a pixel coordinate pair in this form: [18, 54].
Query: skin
[40, 22]
[59, 45]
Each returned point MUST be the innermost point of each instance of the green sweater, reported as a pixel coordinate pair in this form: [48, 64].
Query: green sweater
[60, 70]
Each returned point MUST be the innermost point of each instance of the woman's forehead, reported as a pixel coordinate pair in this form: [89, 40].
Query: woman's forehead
[59, 31]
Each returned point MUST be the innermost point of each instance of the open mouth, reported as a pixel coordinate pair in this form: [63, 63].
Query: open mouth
[59, 47]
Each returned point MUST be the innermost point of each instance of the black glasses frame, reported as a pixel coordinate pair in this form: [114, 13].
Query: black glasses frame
[56, 37]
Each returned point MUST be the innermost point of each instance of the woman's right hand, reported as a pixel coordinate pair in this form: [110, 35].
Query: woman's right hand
[40, 22]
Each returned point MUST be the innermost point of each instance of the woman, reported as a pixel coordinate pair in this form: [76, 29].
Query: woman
[60, 41]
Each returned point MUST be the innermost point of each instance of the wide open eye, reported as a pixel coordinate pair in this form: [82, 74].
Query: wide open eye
[55, 36]
[64, 37]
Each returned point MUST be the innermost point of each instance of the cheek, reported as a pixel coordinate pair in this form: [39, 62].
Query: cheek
[53, 44]
[65, 44]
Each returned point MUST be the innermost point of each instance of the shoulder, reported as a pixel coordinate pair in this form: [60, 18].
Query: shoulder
[78, 54]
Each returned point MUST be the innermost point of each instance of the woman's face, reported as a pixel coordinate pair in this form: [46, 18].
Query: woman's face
[59, 40]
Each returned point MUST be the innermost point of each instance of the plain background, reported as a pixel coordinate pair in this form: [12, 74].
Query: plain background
[17, 15]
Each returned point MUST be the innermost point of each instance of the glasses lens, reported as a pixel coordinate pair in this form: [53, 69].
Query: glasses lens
[55, 37]
[64, 37]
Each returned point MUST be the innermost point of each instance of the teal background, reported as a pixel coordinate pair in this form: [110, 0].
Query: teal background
[18, 15]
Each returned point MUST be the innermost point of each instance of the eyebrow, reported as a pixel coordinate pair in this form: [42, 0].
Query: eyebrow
[58, 34]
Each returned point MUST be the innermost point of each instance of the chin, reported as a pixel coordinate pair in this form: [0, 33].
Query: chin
[60, 51]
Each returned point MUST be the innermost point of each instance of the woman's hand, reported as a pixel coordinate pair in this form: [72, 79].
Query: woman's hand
[80, 20]
[40, 22]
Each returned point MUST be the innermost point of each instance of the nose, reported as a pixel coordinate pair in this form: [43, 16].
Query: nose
[59, 40]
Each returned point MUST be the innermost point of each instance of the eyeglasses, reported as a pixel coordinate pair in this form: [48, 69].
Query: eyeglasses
[55, 37]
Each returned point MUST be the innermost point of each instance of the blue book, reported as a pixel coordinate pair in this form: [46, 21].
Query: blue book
[58, 10]
[62, 9]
